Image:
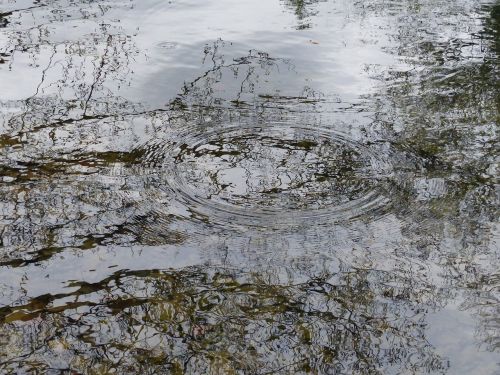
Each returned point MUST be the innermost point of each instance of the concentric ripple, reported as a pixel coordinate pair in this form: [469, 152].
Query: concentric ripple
[265, 175]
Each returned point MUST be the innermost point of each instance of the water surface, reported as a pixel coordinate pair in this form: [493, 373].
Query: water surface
[259, 187]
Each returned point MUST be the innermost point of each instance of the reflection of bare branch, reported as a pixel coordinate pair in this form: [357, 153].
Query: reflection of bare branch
[199, 92]
[100, 72]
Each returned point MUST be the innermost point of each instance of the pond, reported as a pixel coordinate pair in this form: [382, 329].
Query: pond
[250, 187]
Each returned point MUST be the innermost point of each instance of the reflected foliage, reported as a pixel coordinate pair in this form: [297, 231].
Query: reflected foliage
[186, 321]
[204, 235]
[447, 109]
[304, 10]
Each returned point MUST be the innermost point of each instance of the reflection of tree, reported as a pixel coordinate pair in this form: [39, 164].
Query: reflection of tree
[203, 322]
[79, 76]
[237, 82]
[75, 180]
[53, 200]
[277, 170]
[445, 112]
[45, 163]
[303, 10]
[483, 298]
[237, 87]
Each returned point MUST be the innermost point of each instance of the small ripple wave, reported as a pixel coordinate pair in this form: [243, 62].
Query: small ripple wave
[269, 175]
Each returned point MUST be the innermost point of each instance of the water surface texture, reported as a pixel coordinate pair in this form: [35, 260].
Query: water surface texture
[249, 187]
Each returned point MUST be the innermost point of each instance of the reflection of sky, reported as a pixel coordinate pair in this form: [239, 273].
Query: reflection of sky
[93, 266]
[330, 57]
[336, 57]
[452, 332]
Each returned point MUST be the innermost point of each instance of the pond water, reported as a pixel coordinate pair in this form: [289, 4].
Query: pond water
[250, 187]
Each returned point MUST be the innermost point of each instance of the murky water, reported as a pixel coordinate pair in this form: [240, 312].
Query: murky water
[250, 187]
